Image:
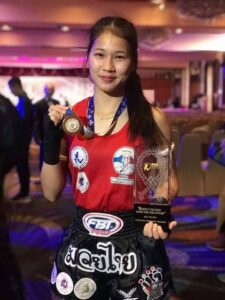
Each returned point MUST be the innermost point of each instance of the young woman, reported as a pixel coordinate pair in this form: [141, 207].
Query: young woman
[104, 254]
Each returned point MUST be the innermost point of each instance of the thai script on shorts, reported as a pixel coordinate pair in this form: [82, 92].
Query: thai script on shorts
[107, 261]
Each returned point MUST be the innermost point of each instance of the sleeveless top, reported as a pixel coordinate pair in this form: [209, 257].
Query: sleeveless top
[102, 168]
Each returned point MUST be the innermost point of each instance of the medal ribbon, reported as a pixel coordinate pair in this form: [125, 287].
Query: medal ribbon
[91, 110]
[69, 112]
[88, 131]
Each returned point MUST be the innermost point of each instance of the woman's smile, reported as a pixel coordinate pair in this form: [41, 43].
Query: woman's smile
[108, 78]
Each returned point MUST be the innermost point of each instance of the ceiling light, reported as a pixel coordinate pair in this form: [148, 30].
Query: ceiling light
[162, 6]
[179, 30]
[160, 3]
[65, 28]
[6, 27]
[156, 2]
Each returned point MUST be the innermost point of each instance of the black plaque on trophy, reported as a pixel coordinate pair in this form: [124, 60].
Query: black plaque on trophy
[151, 190]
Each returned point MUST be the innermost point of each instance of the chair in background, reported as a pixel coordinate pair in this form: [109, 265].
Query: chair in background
[214, 173]
[204, 133]
[189, 171]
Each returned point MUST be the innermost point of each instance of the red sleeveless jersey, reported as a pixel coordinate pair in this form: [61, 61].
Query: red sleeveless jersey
[102, 168]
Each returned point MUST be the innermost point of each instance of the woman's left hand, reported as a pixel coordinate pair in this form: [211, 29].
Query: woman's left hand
[152, 230]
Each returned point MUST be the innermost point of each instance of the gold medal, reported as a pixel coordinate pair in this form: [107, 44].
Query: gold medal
[71, 125]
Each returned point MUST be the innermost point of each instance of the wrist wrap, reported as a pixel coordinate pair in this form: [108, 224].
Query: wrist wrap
[52, 139]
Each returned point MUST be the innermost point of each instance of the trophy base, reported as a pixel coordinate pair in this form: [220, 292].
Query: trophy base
[156, 212]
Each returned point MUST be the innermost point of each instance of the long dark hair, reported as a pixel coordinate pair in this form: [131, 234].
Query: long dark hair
[141, 121]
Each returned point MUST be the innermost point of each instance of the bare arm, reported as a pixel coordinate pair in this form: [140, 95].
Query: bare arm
[53, 180]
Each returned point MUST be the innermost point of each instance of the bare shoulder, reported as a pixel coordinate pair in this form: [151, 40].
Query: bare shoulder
[162, 122]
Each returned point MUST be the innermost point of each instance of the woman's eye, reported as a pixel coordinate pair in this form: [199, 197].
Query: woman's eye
[98, 54]
[120, 57]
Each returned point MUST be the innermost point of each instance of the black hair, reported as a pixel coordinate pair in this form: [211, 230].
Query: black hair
[141, 121]
[15, 81]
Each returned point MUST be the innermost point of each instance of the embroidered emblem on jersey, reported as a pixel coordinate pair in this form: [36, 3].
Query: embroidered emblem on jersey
[151, 282]
[79, 157]
[82, 182]
[54, 274]
[128, 296]
[100, 224]
[85, 288]
[64, 284]
[123, 163]
[106, 261]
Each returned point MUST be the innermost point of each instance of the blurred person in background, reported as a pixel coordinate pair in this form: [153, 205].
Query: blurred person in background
[24, 131]
[40, 109]
[9, 121]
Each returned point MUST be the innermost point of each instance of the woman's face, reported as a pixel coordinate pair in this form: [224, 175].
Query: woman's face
[110, 63]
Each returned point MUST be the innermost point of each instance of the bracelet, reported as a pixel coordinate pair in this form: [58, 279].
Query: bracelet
[63, 158]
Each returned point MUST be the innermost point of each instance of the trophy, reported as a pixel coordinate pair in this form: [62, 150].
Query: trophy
[151, 186]
[72, 125]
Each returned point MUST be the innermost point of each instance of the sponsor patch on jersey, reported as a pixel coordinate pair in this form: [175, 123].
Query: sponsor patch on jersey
[123, 161]
[54, 274]
[100, 224]
[79, 157]
[64, 284]
[82, 182]
[85, 288]
[123, 164]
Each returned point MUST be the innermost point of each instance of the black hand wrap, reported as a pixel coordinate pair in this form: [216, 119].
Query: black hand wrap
[52, 138]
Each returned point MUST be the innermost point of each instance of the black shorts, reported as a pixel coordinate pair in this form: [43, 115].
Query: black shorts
[105, 256]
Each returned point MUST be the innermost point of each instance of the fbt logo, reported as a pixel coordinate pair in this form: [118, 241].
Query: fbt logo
[100, 224]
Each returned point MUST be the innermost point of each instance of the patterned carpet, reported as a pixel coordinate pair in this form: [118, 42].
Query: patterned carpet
[30, 234]
[195, 267]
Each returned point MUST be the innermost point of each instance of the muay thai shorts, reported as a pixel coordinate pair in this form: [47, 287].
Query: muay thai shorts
[106, 256]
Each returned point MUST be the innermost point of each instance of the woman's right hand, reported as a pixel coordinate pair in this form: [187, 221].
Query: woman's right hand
[56, 113]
